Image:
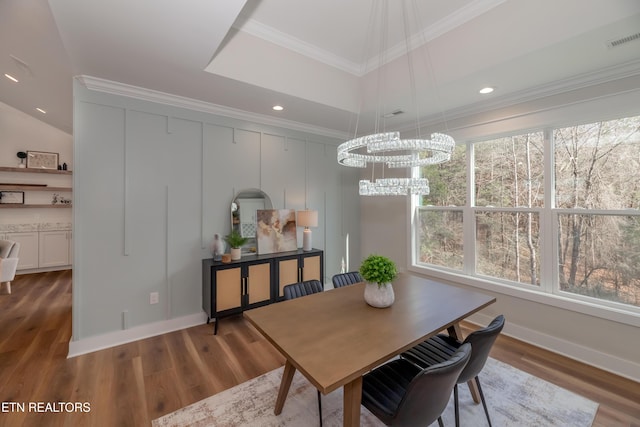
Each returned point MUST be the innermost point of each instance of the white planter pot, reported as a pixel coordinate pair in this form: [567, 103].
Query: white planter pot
[236, 254]
[379, 296]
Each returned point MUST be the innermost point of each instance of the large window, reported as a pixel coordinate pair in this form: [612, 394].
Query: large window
[597, 168]
[440, 226]
[554, 210]
[508, 191]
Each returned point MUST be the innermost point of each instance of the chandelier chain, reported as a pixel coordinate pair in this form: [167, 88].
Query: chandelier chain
[387, 148]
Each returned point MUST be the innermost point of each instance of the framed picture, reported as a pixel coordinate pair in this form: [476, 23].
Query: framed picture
[276, 230]
[12, 197]
[42, 160]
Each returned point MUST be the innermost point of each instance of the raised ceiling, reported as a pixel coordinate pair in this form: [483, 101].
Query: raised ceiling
[313, 57]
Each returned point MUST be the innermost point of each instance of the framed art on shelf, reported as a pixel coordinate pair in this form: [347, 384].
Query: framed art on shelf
[12, 197]
[42, 160]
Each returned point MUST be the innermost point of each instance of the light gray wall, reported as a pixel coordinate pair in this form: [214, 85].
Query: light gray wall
[384, 223]
[154, 182]
[599, 341]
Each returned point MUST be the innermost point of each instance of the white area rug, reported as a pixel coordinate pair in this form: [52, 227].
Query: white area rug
[514, 397]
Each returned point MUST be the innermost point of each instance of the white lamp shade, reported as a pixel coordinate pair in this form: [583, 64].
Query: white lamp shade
[307, 218]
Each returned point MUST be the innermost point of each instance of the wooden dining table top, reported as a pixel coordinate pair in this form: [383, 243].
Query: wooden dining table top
[334, 337]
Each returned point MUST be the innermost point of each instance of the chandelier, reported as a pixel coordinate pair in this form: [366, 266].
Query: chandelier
[389, 150]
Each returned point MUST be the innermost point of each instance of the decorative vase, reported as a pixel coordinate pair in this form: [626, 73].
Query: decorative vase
[379, 296]
[236, 254]
[217, 247]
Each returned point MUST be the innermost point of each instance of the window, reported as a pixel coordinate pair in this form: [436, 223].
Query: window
[509, 174]
[439, 227]
[440, 241]
[597, 168]
[507, 246]
[571, 194]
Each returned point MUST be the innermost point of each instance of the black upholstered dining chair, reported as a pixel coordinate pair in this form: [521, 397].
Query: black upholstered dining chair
[345, 279]
[400, 393]
[301, 289]
[440, 347]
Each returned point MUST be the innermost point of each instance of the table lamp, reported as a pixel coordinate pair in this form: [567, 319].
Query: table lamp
[306, 219]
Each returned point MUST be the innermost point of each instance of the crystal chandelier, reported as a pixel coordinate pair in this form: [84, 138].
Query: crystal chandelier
[388, 149]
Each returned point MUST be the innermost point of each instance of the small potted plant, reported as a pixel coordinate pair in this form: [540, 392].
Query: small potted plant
[378, 271]
[235, 241]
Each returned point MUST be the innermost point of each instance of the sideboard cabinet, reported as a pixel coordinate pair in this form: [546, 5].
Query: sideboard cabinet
[296, 268]
[254, 280]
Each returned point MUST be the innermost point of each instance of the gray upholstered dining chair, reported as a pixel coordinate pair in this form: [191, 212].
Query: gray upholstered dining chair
[301, 289]
[440, 347]
[8, 261]
[400, 393]
[346, 279]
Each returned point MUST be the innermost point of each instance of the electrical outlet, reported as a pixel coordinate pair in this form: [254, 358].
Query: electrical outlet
[154, 297]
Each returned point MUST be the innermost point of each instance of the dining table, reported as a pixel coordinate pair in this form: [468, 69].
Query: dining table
[334, 337]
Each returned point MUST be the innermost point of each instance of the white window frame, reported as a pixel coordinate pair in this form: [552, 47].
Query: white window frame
[548, 292]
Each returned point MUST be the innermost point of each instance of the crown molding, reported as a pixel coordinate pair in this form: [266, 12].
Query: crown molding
[122, 89]
[275, 36]
[433, 31]
[558, 87]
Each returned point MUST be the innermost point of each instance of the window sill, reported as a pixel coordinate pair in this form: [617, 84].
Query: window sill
[619, 315]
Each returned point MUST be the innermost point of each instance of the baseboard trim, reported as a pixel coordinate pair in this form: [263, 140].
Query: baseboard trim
[43, 269]
[615, 365]
[112, 339]
[607, 362]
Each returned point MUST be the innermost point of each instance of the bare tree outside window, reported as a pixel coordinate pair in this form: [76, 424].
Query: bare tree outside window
[507, 246]
[439, 224]
[441, 238]
[597, 168]
[592, 223]
[509, 173]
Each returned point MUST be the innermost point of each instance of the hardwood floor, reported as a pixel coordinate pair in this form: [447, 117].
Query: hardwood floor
[132, 384]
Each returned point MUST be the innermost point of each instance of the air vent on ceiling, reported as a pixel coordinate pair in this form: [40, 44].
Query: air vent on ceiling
[22, 65]
[623, 40]
[393, 114]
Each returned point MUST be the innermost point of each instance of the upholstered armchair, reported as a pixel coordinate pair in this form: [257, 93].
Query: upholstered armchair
[8, 261]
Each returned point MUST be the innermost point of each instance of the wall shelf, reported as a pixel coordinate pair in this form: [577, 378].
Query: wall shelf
[22, 206]
[21, 187]
[33, 187]
[33, 170]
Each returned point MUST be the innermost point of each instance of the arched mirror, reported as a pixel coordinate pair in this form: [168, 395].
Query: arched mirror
[243, 214]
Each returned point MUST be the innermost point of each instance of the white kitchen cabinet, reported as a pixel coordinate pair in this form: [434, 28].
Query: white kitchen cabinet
[54, 248]
[43, 246]
[28, 255]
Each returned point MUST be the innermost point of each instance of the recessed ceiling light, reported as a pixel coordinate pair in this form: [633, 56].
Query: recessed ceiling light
[10, 77]
[41, 110]
[278, 107]
[486, 90]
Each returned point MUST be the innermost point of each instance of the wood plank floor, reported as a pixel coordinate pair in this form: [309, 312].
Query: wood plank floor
[132, 384]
